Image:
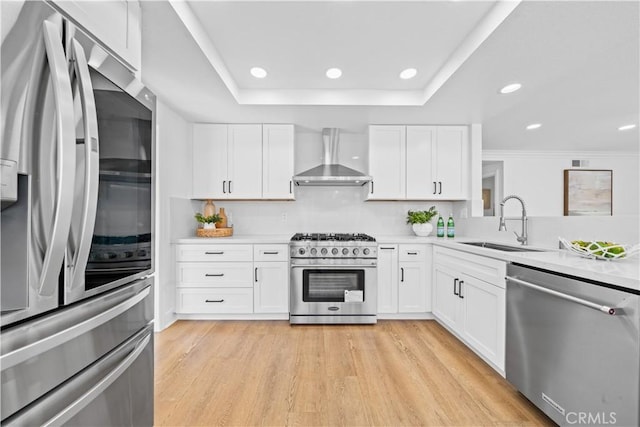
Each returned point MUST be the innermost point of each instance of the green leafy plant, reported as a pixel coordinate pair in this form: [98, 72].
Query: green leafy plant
[421, 217]
[207, 219]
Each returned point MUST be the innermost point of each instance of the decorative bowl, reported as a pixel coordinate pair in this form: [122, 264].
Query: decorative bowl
[600, 250]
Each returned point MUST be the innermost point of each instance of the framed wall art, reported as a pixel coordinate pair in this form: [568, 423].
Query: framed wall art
[588, 192]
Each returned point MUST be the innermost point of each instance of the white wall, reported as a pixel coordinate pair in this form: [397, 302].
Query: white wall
[173, 185]
[538, 177]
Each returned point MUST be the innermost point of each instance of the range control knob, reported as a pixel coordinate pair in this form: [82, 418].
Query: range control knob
[355, 251]
[301, 251]
[334, 251]
[366, 251]
[323, 251]
[345, 251]
[314, 251]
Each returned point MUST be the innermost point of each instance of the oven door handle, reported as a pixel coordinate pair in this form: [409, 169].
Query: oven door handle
[334, 266]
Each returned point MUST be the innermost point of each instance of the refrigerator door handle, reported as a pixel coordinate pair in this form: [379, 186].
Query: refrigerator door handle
[65, 160]
[79, 404]
[80, 244]
[31, 350]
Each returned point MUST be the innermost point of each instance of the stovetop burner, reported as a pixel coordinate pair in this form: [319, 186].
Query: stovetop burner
[332, 237]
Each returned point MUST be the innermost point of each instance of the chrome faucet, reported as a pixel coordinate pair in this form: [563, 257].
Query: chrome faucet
[503, 226]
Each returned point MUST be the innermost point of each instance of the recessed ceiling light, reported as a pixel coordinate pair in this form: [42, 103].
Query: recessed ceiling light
[258, 72]
[533, 126]
[334, 73]
[355, 157]
[626, 127]
[510, 88]
[409, 73]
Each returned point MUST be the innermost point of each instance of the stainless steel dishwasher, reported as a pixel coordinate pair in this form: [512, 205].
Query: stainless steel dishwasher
[572, 347]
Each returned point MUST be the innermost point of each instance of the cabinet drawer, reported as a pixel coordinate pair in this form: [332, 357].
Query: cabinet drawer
[222, 300]
[214, 253]
[413, 253]
[270, 252]
[215, 274]
[483, 268]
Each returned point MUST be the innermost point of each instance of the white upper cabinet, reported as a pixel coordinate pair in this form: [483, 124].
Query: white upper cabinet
[419, 162]
[244, 162]
[209, 161]
[450, 163]
[387, 162]
[247, 161]
[277, 161]
[115, 23]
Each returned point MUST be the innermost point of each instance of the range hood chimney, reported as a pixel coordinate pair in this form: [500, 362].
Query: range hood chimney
[330, 172]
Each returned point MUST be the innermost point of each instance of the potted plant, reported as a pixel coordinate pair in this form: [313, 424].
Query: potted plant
[208, 222]
[420, 221]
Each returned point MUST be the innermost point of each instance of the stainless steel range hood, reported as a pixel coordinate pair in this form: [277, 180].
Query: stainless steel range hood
[330, 172]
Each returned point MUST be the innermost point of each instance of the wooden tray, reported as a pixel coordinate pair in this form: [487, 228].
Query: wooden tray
[214, 232]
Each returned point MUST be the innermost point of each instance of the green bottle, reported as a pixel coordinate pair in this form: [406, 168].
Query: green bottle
[440, 227]
[451, 229]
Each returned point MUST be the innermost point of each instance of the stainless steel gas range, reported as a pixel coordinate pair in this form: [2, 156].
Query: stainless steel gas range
[333, 278]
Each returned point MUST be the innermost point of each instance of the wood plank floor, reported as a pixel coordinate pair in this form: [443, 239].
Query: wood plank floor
[395, 373]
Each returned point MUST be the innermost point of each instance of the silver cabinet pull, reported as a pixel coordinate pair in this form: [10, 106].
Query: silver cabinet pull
[603, 308]
[214, 300]
[214, 274]
[214, 253]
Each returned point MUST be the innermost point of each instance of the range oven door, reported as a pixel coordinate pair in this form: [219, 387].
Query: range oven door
[336, 290]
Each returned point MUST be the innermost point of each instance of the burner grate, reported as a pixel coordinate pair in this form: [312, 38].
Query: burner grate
[333, 237]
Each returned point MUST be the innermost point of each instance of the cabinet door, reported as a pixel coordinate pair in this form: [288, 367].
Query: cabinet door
[445, 302]
[271, 287]
[387, 162]
[387, 278]
[450, 162]
[244, 157]
[483, 318]
[209, 161]
[277, 161]
[421, 182]
[412, 289]
[115, 23]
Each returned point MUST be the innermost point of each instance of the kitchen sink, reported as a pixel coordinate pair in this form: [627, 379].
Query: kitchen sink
[502, 247]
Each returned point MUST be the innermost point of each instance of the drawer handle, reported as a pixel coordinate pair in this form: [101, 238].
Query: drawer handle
[214, 300]
[412, 253]
[214, 253]
[271, 253]
[214, 275]
[387, 248]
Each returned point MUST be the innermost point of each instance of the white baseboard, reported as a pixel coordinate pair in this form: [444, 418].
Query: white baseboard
[405, 316]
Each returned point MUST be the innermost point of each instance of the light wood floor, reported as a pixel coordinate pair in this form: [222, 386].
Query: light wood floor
[247, 373]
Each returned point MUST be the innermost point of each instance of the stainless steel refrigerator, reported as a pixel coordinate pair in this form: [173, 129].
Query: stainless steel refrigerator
[76, 339]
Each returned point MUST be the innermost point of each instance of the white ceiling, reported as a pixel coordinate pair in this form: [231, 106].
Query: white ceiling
[578, 63]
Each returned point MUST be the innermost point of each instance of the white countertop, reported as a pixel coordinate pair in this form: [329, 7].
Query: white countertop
[623, 272]
[240, 238]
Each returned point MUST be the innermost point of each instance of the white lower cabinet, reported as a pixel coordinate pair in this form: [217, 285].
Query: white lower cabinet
[469, 299]
[232, 279]
[403, 279]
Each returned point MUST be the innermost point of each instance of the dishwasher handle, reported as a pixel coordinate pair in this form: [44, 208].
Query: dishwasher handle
[603, 308]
